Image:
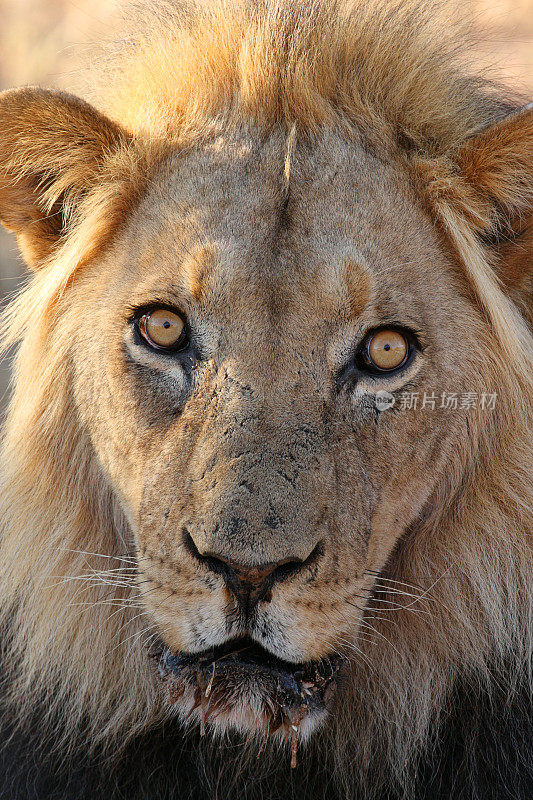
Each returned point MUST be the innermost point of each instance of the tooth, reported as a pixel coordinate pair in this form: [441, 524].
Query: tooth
[210, 684]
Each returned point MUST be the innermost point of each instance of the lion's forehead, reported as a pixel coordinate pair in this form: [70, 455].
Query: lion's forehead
[247, 227]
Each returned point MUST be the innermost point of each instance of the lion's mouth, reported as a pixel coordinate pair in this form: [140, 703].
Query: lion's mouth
[240, 679]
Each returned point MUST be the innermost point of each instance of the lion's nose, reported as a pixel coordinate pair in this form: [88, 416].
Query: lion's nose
[250, 584]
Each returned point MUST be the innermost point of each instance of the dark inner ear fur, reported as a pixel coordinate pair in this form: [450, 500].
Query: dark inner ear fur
[24, 212]
[52, 149]
[498, 165]
[514, 265]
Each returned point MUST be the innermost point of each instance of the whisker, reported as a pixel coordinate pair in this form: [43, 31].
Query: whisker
[100, 555]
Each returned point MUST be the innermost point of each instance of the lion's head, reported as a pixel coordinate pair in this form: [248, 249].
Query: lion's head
[265, 463]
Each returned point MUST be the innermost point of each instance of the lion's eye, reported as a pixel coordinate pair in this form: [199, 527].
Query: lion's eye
[385, 350]
[163, 329]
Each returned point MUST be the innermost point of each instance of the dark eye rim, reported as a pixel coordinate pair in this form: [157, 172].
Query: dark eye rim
[365, 364]
[138, 321]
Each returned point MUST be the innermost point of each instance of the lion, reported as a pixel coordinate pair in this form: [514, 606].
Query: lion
[266, 466]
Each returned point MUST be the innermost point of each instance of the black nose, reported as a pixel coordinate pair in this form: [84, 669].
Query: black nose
[250, 584]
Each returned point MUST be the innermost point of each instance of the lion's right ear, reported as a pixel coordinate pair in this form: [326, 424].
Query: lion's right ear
[52, 149]
[497, 166]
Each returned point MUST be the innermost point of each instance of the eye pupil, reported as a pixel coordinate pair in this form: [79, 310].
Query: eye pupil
[166, 324]
[387, 347]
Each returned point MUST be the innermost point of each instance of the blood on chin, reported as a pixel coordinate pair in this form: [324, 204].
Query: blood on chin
[247, 716]
[236, 688]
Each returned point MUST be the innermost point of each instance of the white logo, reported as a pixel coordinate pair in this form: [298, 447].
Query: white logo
[384, 400]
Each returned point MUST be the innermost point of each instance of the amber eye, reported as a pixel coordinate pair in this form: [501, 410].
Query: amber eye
[163, 329]
[386, 350]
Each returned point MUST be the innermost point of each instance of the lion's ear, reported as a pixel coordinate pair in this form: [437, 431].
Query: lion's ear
[52, 149]
[497, 166]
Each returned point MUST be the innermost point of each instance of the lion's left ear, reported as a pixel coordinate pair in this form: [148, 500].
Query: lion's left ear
[497, 168]
[53, 147]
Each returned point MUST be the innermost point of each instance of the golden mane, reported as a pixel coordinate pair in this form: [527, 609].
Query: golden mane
[395, 71]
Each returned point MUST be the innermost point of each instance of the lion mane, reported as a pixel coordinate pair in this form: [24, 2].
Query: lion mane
[76, 681]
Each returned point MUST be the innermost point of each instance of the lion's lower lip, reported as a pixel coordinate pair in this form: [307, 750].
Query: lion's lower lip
[241, 671]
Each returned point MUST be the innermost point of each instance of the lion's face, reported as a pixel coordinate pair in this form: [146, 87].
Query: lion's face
[254, 468]
[264, 482]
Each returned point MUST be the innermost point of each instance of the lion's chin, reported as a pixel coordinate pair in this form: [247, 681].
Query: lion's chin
[242, 686]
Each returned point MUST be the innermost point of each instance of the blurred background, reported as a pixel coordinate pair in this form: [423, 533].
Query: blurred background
[45, 41]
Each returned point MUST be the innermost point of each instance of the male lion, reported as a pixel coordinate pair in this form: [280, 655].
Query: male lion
[266, 471]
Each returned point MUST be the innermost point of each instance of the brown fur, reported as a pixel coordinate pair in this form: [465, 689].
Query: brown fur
[289, 176]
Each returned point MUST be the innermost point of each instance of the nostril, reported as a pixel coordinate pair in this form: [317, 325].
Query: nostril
[315, 555]
[284, 571]
[190, 545]
[211, 562]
